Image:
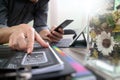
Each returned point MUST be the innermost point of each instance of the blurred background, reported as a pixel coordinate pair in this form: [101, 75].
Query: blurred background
[78, 10]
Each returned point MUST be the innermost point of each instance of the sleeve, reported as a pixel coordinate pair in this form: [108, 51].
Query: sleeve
[3, 13]
[40, 19]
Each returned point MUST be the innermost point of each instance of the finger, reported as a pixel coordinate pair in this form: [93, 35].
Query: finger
[57, 35]
[40, 40]
[22, 43]
[49, 38]
[53, 28]
[12, 42]
[45, 37]
[53, 38]
[61, 31]
[30, 40]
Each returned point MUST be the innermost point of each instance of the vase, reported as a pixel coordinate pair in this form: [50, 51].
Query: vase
[104, 49]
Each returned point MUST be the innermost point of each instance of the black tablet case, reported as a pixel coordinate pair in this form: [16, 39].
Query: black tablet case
[6, 52]
[67, 71]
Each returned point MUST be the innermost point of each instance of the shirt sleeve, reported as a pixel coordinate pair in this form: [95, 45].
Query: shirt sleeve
[40, 20]
[3, 13]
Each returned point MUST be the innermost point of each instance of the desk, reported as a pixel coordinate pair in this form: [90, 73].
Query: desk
[79, 54]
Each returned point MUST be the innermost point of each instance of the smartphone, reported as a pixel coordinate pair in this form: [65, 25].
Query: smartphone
[63, 24]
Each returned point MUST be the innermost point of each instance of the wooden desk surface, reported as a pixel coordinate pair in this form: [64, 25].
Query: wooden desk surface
[80, 54]
[77, 53]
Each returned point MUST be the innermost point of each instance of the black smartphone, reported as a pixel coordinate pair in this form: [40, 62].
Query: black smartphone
[63, 24]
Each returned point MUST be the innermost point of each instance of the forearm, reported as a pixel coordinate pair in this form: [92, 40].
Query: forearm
[40, 17]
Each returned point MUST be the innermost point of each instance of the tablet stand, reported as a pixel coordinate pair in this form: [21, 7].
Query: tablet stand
[80, 43]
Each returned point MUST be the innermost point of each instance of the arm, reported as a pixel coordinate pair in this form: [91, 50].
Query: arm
[40, 24]
[3, 13]
[5, 34]
[21, 37]
[41, 13]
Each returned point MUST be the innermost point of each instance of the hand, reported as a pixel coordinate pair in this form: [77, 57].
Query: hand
[23, 38]
[51, 35]
[56, 36]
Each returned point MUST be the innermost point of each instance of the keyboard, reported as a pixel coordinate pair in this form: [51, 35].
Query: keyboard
[62, 43]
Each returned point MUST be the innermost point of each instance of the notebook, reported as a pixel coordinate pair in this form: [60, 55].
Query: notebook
[52, 65]
[42, 60]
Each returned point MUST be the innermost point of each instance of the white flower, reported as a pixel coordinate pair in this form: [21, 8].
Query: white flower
[105, 43]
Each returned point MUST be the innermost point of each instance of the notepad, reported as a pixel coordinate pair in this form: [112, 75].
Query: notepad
[19, 60]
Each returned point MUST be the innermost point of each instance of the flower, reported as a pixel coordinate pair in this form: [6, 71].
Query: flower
[93, 34]
[106, 20]
[105, 43]
[102, 26]
[116, 15]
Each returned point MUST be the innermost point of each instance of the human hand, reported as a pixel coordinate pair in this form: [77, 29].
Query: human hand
[51, 35]
[23, 37]
[54, 35]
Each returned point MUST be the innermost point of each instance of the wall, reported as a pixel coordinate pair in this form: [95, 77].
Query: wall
[67, 9]
[59, 10]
